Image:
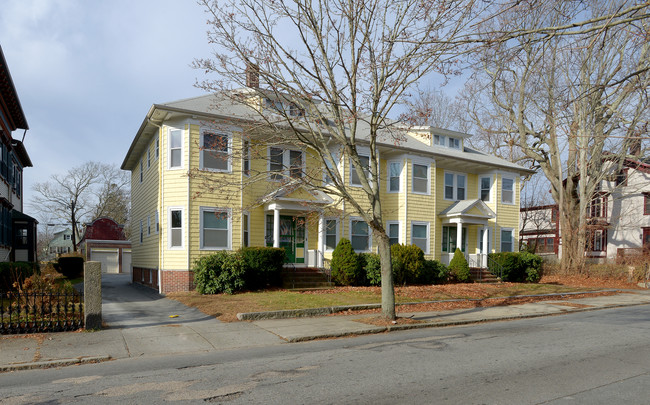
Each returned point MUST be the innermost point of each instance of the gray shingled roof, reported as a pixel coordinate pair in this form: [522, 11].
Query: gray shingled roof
[224, 107]
[462, 206]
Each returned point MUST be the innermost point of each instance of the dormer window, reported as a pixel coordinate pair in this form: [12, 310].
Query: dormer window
[446, 141]
[454, 143]
[439, 140]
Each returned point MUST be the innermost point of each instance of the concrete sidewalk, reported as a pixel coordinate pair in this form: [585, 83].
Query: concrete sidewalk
[194, 332]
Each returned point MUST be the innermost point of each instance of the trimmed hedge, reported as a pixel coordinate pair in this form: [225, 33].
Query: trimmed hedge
[251, 268]
[263, 266]
[430, 272]
[347, 268]
[433, 272]
[518, 267]
[12, 272]
[458, 267]
[70, 266]
[222, 272]
[408, 263]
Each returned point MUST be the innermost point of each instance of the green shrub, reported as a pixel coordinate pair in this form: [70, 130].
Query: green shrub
[16, 272]
[346, 269]
[458, 267]
[372, 264]
[433, 272]
[517, 266]
[263, 266]
[70, 266]
[408, 263]
[222, 272]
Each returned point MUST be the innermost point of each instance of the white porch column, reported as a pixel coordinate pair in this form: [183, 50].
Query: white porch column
[459, 236]
[276, 228]
[485, 250]
[321, 242]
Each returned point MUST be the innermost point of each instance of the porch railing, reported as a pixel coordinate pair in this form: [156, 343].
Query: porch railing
[31, 312]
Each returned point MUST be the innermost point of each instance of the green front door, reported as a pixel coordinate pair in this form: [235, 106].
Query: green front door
[288, 238]
[292, 237]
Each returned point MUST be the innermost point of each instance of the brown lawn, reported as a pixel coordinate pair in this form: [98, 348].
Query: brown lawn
[225, 307]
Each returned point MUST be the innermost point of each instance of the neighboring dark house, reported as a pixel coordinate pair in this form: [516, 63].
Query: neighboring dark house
[17, 230]
[105, 242]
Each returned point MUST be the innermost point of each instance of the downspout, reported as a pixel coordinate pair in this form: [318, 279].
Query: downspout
[188, 216]
[406, 202]
[159, 205]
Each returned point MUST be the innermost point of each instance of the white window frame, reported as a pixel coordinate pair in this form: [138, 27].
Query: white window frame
[141, 170]
[170, 149]
[148, 156]
[213, 210]
[369, 176]
[204, 150]
[148, 225]
[428, 166]
[479, 239]
[480, 188]
[285, 174]
[169, 228]
[454, 143]
[358, 219]
[440, 140]
[512, 239]
[141, 232]
[399, 230]
[157, 147]
[388, 175]
[514, 184]
[428, 238]
[157, 222]
[327, 181]
[337, 234]
[454, 185]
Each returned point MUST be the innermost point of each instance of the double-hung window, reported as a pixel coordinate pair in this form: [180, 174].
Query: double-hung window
[455, 186]
[420, 235]
[485, 184]
[141, 232]
[360, 236]
[175, 149]
[394, 175]
[454, 143]
[355, 180]
[450, 239]
[148, 225]
[157, 147]
[393, 232]
[508, 191]
[175, 224]
[506, 240]
[215, 228]
[331, 234]
[215, 148]
[646, 203]
[157, 222]
[141, 170]
[420, 182]
[330, 167]
[285, 163]
[149, 156]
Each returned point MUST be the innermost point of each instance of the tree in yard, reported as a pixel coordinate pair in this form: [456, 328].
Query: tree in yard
[573, 103]
[342, 67]
[113, 196]
[74, 197]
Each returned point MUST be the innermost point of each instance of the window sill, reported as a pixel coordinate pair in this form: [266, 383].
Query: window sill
[419, 193]
[207, 169]
[214, 248]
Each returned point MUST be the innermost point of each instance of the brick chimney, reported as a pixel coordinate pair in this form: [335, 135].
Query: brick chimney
[252, 76]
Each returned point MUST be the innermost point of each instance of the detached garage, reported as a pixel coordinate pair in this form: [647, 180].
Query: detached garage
[106, 243]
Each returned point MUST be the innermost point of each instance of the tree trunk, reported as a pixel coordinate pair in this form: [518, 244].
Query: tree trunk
[387, 285]
[73, 220]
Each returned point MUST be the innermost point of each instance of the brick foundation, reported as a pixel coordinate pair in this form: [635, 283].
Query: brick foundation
[144, 276]
[173, 281]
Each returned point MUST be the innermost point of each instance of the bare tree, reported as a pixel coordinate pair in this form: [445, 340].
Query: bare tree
[571, 103]
[113, 195]
[72, 197]
[333, 71]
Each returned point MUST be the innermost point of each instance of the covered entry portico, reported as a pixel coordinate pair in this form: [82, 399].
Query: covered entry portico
[287, 215]
[461, 214]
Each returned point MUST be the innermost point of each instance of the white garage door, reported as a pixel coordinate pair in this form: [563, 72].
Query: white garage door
[110, 260]
[126, 261]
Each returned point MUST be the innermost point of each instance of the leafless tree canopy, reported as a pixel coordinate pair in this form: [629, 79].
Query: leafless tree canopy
[82, 194]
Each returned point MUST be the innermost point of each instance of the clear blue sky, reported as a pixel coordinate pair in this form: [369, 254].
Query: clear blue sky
[87, 72]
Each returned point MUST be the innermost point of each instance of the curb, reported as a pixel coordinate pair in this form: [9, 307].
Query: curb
[54, 363]
[323, 311]
[395, 328]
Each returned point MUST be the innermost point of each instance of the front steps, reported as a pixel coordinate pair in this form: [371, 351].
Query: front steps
[305, 278]
[482, 275]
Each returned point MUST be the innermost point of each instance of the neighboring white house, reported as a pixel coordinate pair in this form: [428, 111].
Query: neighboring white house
[618, 216]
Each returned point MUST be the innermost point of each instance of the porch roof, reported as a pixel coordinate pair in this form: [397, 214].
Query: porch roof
[467, 211]
[296, 197]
